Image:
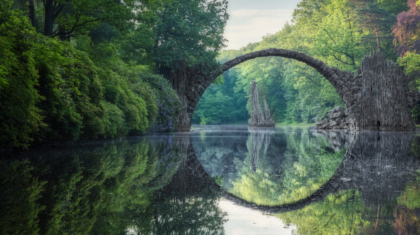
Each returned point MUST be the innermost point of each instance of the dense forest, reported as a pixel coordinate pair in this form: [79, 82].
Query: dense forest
[88, 69]
[338, 32]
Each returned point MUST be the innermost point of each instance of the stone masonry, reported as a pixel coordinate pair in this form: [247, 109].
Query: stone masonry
[376, 98]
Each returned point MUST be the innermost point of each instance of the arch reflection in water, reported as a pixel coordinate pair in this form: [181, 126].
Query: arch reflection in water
[293, 166]
[374, 188]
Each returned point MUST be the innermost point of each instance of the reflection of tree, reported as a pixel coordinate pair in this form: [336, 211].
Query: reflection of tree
[376, 192]
[337, 214]
[188, 215]
[88, 190]
[20, 192]
[304, 165]
[218, 152]
[346, 213]
[188, 205]
[407, 213]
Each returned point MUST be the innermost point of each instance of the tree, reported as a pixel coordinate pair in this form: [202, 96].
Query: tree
[406, 30]
[370, 16]
[203, 121]
[309, 10]
[186, 32]
[338, 40]
[81, 15]
[393, 6]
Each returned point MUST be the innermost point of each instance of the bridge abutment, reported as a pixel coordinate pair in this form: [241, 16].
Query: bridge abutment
[377, 97]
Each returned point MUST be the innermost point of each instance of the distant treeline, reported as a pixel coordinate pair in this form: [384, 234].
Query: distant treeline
[338, 32]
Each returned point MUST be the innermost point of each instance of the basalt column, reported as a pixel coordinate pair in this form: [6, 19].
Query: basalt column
[379, 98]
[259, 117]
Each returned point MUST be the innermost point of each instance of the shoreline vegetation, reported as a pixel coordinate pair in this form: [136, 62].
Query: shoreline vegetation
[98, 69]
[294, 124]
[54, 90]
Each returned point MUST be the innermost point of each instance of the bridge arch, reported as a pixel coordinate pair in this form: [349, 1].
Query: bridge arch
[376, 95]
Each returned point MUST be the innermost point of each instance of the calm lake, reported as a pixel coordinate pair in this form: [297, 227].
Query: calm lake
[220, 180]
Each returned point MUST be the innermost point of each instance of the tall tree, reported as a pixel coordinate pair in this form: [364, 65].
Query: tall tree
[81, 15]
[370, 16]
[393, 6]
[187, 31]
[32, 12]
[308, 10]
[339, 39]
[406, 30]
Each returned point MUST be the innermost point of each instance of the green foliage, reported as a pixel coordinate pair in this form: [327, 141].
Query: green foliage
[87, 190]
[203, 121]
[340, 214]
[338, 40]
[221, 103]
[51, 89]
[346, 213]
[81, 16]
[186, 31]
[306, 166]
[411, 64]
[393, 6]
[19, 187]
[167, 101]
[370, 16]
[19, 117]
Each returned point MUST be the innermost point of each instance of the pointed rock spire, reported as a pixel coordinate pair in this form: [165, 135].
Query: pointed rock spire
[259, 118]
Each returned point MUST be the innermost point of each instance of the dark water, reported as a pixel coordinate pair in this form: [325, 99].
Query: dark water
[222, 180]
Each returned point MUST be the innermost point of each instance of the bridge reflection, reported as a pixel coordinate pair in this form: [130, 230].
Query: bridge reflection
[376, 164]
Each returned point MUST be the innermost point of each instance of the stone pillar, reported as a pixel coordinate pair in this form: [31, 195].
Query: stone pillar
[380, 92]
[190, 84]
[259, 118]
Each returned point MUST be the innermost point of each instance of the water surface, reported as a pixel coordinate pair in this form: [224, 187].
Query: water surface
[218, 180]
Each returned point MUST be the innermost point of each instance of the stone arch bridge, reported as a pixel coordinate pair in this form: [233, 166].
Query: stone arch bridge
[376, 98]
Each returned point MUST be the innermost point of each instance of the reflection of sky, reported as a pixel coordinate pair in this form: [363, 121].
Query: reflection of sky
[250, 20]
[243, 220]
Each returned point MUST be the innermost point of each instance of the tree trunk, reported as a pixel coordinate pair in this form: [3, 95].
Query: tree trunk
[49, 18]
[378, 40]
[32, 12]
[62, 33]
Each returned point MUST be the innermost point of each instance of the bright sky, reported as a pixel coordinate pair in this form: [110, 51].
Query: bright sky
[250, 20]
[243, 220]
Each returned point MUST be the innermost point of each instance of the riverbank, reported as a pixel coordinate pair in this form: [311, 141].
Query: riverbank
[294, 124]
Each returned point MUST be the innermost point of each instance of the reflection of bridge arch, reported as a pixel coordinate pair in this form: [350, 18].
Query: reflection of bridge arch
[376, 164]
[370, 96]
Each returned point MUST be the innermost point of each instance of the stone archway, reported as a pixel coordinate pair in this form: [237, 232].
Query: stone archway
[376, 98]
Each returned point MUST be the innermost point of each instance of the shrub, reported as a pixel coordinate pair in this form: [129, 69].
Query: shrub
[168, 102]
[19, 117]
[51, 90]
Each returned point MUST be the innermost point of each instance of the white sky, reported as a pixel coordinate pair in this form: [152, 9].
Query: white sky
[243, 220]
[250, 20]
